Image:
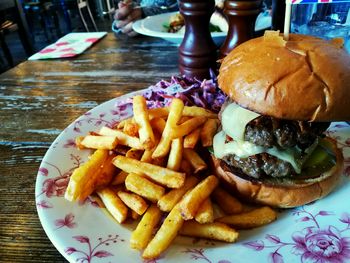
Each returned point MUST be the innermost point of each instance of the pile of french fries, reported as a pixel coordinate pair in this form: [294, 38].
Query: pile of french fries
[150, 167]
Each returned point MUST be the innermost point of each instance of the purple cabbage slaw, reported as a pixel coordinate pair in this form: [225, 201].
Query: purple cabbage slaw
[191, 91]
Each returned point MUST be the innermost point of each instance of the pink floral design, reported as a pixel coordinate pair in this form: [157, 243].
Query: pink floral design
[68, 55]
[313, 243]
[63, 43]
[44, 204]
[92, 252]
[198, 254]
[99, 121]
[92, 39]
[67, 221]
[47, 50]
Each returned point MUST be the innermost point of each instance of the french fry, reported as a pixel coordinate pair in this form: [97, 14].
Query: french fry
[216, 231]
[208, 131]
[78, 141]
[165, 235]
[192, 138]
[143, 187]
[142, 120]
[205, 213]
[122, 124]
[119, 178]
[123, 138]
[175, 114]
[131, 128]
[187, 127]
[141, 236]
[99, 142]
[134, 154]
[134, 215]
[82, 180]
[147, 156]
[170, 199]
[190, 111]
[158, 174]
[254, 218]
[175, 155]
[158, 124]
[228, 203]
[190, 204]
[105, 174]
[133, 201]
[186, 167]
[195, 160]
[114, 205]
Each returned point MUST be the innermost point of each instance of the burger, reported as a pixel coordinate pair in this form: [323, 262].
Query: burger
[282, 97]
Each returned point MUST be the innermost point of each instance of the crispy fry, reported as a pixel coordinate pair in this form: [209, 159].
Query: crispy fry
[82, 181]
[191, 111]
[254, 218]
[170, 199]
[119, 178]
[175, 155]
[143, 187]
[216, 231]
[208, 131]
[186, 167]
[165, 235]
[133, 201]
[192, 138]
[190, 204]
[134, 215]
[158, 124]
[195, 160]
[142, 120]
[141, 236]
[99, 142]
[147, 156]
[187, 127]
[122, 124]
[205, 213]
[105, 174]
[158, 174]
[114, 205]
[175, 114]
[134, 154]
[131, 128]
[123, 138]
[228, 203]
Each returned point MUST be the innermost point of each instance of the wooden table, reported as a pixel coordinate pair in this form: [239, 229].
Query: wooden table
[38, 99]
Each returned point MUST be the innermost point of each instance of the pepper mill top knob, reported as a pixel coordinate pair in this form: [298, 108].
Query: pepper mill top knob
[197, 52]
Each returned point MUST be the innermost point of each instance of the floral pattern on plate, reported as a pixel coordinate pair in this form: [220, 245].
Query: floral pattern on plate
[83, 232]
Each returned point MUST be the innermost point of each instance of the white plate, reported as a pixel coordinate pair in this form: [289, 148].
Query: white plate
[153, 26]
[85, 233]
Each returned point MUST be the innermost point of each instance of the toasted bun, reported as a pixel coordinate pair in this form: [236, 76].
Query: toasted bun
[305, 78]
[285, 195]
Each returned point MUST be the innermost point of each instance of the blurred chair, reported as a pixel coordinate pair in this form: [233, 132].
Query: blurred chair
[84, 11]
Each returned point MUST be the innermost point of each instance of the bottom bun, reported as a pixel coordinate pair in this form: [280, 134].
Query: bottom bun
[282, 195]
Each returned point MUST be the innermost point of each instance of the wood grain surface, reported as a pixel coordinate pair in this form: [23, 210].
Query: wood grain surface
[38, 99]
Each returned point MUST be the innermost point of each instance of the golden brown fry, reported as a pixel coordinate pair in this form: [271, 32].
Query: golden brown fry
[170, 199]
[208, 131]
[190, 111]
[165, 235]
[143, 187]
[99, 142]
[254, 218]
[133, 201]
[205, 213]
[119, 178]
[158, 174]
[82, 181]
[147, 156]
[141, 236]
[216, 231]
[122, 124]
[186, 167]
[106, 172]
[134, 215]
[123, 138]
[175, 114]
[114, 205]
[134, 154]
[175, 155]
[142, 120]
[192, 138]
[228, 203]
[190, 204]
[158, 124]
[131, 129]
[187, 127]
[195, 160]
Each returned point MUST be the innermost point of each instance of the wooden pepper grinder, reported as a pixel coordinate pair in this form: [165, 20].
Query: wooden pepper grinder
[241, 15]
[197, 52]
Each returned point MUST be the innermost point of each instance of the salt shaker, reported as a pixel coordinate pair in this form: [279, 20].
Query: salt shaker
[241, 15]
[197, 52]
